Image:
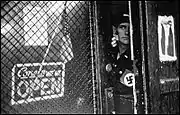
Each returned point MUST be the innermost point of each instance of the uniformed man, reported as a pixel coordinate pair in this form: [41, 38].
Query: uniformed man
[121, 68]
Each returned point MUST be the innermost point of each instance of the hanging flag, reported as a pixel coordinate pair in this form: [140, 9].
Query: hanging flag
[60, 41]
[66, 51]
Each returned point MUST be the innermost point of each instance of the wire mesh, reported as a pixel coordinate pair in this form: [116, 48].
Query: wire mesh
[46, 64]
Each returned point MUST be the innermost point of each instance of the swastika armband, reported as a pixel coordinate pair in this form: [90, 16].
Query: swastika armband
[127, 78]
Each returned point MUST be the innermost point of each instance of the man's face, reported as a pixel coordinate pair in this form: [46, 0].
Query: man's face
[123, 33]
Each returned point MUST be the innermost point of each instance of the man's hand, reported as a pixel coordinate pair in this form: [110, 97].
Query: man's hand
[114, 40]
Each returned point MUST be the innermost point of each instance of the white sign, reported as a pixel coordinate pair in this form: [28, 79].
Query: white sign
[166, 38]
[29, 85]
[35, 26]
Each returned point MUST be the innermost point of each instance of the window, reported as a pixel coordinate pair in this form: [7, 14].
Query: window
[35, 26]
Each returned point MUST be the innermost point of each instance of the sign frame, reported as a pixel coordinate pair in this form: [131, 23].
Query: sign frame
[13, 102]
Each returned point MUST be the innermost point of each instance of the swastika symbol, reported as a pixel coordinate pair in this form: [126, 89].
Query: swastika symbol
[129, 79]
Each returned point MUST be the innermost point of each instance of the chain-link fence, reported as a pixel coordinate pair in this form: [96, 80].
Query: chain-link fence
[46, 64]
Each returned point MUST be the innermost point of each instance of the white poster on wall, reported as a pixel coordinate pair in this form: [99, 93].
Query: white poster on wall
[166, 38]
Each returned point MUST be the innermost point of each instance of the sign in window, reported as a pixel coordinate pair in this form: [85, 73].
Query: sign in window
[29, 84]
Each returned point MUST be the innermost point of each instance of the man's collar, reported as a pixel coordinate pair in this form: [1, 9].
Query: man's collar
[126, 54]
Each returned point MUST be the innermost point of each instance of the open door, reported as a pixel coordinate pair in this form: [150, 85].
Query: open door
[161, 48]
[155, 27]
[120, 88]
[154, 41]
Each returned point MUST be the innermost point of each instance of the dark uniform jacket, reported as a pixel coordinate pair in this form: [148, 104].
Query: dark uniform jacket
[119, 66]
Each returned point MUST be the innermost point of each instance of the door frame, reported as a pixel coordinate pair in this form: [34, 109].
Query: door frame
[136, 9]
